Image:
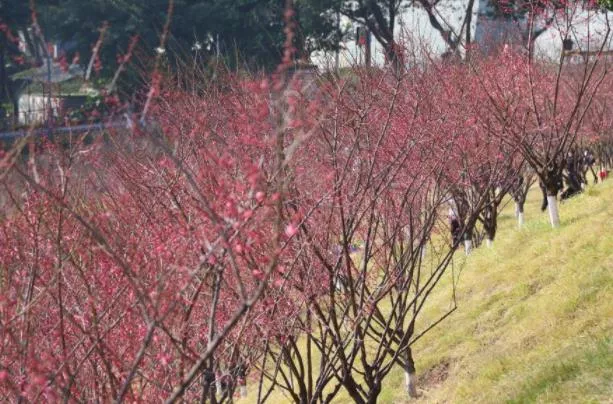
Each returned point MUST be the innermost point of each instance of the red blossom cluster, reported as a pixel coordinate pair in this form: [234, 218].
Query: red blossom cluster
[288, 230]
[225, 230]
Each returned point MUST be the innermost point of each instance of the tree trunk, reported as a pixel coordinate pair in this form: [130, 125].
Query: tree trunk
[218, 388]
[3, 75]
[15, 101]
[208, 386]
[394, 58]
[544, 203]
[488, 242]
[552, 207]
[410, 379]
[3, 87]
[468, 246]
[367, 50]
[6, 90]
[519, 213]
[517, 210]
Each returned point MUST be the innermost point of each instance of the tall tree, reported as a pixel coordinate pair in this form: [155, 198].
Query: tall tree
[608, 4]
[248, 33]
[15, 18]
[380, 17]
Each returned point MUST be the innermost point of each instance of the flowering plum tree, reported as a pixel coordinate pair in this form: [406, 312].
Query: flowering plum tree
[277, 225]
[387, 164]
[133, 263]
[541, 110]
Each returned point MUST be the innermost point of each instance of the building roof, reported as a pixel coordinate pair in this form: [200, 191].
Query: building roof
[55, 74]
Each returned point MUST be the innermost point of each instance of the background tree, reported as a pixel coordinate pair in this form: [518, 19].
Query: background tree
[543, 112]
[15, 18]
[246, 33]
[608, 4]
[380, 17]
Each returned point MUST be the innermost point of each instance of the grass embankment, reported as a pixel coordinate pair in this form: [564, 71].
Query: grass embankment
[535, 314]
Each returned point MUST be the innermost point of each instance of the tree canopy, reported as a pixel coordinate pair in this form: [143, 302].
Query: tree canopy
[606, 4]
[249, 32]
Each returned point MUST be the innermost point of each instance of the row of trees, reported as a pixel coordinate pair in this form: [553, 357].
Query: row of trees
[246, 34]
[218, 241]
[243, 35]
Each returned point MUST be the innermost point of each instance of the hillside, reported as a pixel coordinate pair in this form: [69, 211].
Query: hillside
[535, 314]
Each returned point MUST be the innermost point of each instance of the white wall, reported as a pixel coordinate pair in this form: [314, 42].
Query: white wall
[587, 30]
[414, 27]
[32, 108]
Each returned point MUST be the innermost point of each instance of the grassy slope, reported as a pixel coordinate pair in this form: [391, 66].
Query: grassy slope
[535, 314]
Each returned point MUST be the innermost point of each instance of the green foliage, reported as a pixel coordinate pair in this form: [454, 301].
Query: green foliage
[249, 32]
[245, 34]
[91, 104]
[76, 24]
[14, 14]
[608, 4]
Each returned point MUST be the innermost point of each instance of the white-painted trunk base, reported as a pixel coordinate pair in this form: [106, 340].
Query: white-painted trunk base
[338, 284]
[218, 385]
[517, 211]
[552, 207]
[468, 246]
[489, 243]
[520, 220]
[243, 391]
[424, 250]
[410, 381]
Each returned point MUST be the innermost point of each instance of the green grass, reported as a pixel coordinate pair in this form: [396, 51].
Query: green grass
[535, 315]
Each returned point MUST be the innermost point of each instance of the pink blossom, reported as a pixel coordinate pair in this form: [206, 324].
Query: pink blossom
[290, 230]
